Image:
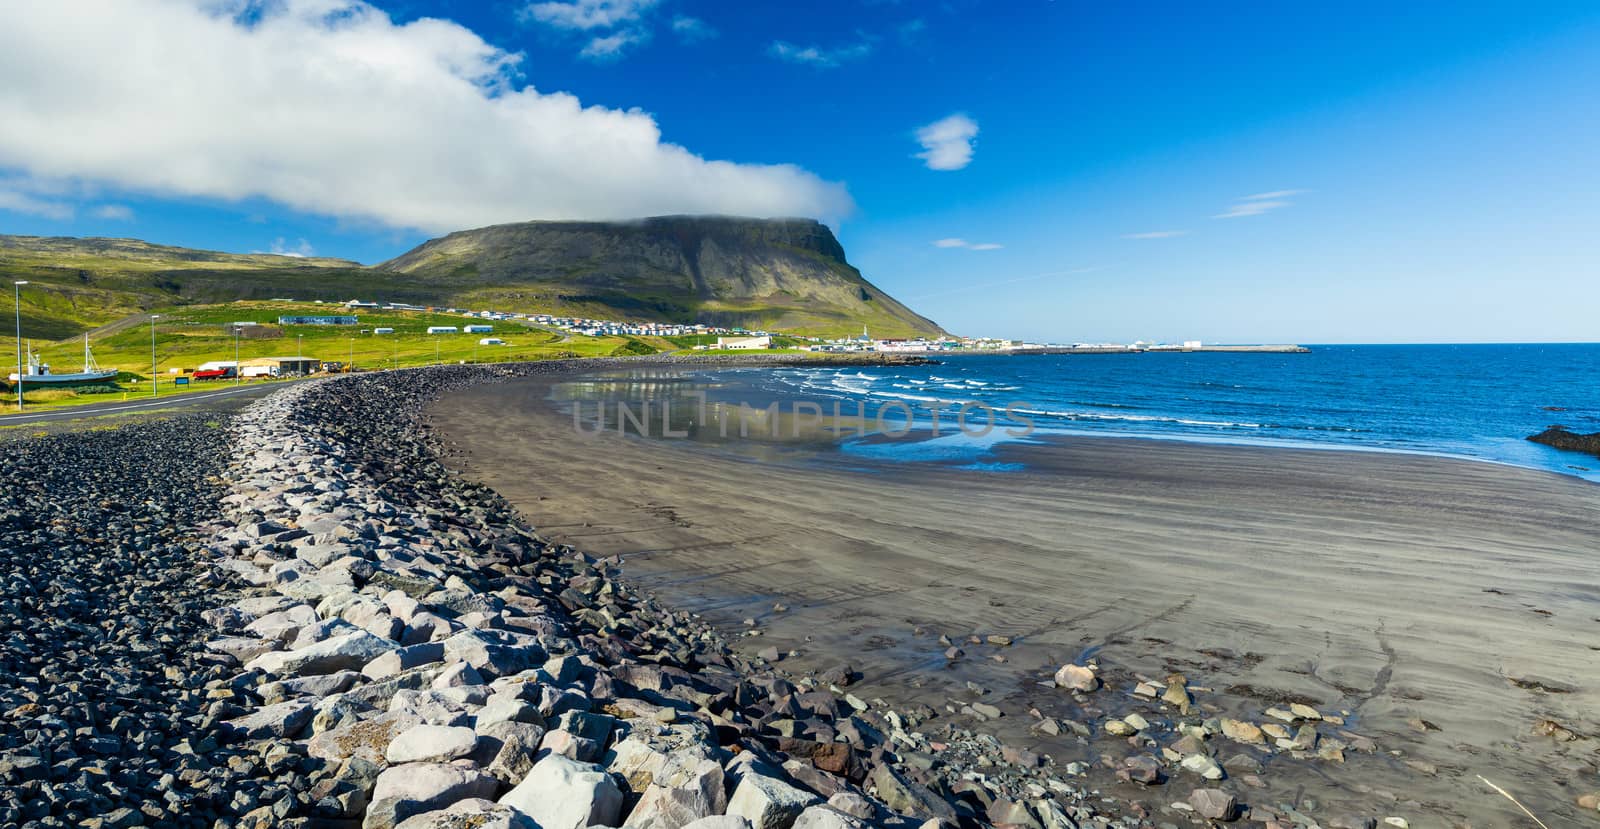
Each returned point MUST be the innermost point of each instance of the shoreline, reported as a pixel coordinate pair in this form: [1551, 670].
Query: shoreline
[672, 578]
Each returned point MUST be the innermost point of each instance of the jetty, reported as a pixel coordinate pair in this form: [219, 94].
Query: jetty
[1287, 348]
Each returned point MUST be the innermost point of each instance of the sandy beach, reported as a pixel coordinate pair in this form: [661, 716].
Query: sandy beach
[1442, 608]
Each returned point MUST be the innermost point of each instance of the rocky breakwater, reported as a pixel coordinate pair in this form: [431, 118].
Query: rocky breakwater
[107, 713]
[432, 662]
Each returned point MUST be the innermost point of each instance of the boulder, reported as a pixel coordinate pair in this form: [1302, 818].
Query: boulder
[1214, 804]
[686, 789]
[1077, 678]
[515, 746]
[767, 802]
[909, 798]
[366, 739]
[472, 813]
[560, 793]
[416, 788]
[388, 664]
[274, 721]
[826, 817]
[349, 651]
[430, 744]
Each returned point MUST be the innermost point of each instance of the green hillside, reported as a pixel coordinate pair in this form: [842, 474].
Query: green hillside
[778, 274]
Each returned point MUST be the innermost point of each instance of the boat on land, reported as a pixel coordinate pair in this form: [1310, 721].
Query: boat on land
[39, 374]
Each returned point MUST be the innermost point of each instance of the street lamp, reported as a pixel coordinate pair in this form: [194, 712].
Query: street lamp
[153, 383]
[16, 299]
[238, 370]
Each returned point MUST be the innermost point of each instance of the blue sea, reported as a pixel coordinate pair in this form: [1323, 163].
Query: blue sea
[1476, 402]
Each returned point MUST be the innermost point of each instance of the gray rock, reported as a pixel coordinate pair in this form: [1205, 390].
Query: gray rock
[686, 789]
[826, 817]
[472, 813]
[852, 804]
[516, 747]
[767, 802]
[1214, 804]
[416, 788]
[720, 822]
[430, 744]
[393, 662]
[285, 719]
[506, 708]
[349, 651]
[366, 739]
[909, 798]
[560, 793]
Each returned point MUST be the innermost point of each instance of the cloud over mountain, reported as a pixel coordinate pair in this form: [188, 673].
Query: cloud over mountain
[329, 106]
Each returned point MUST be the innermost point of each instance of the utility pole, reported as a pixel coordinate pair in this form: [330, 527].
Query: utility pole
[16, 298]
[153, 384]
[238, 370]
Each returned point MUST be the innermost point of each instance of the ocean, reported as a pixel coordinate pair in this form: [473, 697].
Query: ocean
[1476, 402]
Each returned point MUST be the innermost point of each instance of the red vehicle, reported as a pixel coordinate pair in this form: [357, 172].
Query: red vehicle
[214, 374]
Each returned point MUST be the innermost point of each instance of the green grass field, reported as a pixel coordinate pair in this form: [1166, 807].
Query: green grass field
[187, 337]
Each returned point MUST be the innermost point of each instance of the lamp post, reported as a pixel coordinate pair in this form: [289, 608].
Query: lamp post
[153, 383]
[238, 370]
[351, 365]
[16, 299]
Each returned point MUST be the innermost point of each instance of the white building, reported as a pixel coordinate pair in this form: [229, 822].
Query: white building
[442, 329]
[744, 343]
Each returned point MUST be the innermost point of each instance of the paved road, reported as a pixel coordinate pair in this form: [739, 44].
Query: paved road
[206, 399]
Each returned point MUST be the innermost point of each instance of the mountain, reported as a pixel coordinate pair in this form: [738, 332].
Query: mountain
[757, 273]
[785, 274]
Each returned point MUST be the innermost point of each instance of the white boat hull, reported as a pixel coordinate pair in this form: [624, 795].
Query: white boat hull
[74, 379]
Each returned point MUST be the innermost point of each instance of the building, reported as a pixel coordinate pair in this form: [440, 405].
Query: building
[442, 329]
[279, 366]
[478, 329]
[339, 320]
[383, 330]
[744, 343]
[491, 341]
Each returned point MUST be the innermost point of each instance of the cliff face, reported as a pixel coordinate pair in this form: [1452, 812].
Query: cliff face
[776, 273]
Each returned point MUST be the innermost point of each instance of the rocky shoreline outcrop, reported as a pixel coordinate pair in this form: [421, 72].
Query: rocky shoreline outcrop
[1559, 437]
[431, 662]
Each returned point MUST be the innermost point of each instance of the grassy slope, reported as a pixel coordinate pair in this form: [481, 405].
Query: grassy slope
[78, 285]
[187, 337]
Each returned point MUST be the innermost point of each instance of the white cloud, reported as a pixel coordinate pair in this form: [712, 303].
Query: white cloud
[692, 29]
[817, 55]
[583, 15]
[947, 142]
[115, 212]
[613, 26]
[1258, 204]
[962, 243]
[300, 250]
[611, 47]
[1156, 234]
[17, 200]
[328, 106]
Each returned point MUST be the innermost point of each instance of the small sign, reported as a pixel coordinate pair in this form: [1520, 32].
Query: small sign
[180, 381]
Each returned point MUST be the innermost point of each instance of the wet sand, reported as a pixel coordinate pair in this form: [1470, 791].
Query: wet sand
[1394, 588]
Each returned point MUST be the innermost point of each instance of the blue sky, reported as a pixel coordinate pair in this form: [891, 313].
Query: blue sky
[1282, 172]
